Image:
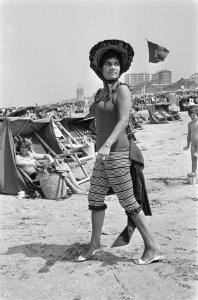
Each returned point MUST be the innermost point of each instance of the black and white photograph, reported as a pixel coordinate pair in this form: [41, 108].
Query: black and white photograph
[98, 149]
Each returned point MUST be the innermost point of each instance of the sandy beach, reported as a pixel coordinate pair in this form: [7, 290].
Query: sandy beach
[40, 238]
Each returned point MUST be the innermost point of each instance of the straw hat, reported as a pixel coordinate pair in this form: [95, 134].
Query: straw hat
[124, 51]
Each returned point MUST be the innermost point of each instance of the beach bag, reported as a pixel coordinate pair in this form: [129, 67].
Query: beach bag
[53, 183]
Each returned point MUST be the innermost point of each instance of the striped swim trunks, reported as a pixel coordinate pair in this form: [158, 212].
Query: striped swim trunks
[113, 172]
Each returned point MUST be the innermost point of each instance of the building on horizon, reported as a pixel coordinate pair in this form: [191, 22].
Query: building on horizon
[135, 79]
[79, 92]
[194, 77]
[162, 77]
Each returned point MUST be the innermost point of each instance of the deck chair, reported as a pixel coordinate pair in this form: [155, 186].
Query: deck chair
[64, 156]
[166, 115]
[74, 147]
[154, 116]
[175, 115]
[29, 180]
[74, 139]
[135, 122]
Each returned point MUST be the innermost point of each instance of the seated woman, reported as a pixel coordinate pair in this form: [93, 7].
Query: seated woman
[30, 162]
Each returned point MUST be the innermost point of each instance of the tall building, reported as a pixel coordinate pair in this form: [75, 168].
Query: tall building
[79, 92]
[137, 78]
[162, 77]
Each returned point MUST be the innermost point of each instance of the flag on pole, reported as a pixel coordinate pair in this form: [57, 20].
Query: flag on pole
[157, 53]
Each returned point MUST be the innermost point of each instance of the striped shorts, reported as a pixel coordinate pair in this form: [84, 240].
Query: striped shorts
[113, 172]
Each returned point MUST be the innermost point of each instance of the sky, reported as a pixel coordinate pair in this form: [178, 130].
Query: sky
[45, 44]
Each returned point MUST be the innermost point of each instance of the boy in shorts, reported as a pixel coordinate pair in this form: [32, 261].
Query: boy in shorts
[192, 137]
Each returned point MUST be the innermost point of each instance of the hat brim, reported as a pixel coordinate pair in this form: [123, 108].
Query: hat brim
[124, 50]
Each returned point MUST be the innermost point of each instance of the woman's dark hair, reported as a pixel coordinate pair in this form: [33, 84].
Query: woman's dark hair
[24, 142]
[108, 55]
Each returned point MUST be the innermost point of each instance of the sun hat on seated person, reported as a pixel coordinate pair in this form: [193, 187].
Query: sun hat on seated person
[124, 50]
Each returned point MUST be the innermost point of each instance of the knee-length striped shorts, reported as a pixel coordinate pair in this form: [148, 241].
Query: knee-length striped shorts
[113, 172]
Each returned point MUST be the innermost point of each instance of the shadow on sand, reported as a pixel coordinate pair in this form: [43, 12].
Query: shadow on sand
[53, 253]
[171, 180]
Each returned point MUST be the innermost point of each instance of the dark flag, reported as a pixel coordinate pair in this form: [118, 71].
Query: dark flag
[157, 53]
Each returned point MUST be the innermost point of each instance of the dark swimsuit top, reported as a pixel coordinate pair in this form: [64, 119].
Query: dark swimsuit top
[105, 111]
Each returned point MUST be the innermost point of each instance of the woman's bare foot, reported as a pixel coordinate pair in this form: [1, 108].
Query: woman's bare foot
[89, 253]
[150, 253]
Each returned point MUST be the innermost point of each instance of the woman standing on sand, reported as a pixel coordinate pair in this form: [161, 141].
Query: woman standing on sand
[110, 59]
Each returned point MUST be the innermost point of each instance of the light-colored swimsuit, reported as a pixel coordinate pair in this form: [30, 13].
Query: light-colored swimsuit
[26, 160]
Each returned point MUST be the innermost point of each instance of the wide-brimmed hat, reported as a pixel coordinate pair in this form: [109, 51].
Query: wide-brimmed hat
[124, 50]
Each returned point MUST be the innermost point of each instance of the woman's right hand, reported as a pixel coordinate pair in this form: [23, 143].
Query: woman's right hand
[103, 152]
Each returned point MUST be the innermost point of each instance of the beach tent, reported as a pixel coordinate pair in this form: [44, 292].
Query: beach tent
[11, 179]
[42, 135]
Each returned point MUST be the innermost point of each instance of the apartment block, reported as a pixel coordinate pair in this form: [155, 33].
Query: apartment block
[162, 77]
[137, 78]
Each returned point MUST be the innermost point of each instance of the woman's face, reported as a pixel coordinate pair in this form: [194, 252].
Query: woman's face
[24, 150]
[111, 69]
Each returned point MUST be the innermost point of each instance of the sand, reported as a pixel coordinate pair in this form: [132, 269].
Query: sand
[40, 239]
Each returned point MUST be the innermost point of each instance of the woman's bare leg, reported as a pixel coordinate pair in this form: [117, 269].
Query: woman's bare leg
[73, 180]
[74, 188]
[97, 218]
[151, 247]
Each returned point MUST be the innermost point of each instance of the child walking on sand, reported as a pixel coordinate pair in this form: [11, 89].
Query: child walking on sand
[192, 137]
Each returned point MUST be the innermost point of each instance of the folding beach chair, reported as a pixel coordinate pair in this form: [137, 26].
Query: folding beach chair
[154, 116]
[74, 148]
[28, 179]
[74, 139]
[40, 146]
[163, 112]
[72, 153]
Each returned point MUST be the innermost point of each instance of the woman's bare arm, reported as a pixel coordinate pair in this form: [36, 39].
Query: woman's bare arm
[21, 163]
[43, 156]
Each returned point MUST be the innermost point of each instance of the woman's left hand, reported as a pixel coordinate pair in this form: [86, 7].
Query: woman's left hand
[103, 153]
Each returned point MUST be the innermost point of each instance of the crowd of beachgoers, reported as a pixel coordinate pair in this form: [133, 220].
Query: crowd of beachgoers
[61, 110]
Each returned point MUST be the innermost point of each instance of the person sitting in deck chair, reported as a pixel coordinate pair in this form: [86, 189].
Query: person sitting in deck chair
[30, 162]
